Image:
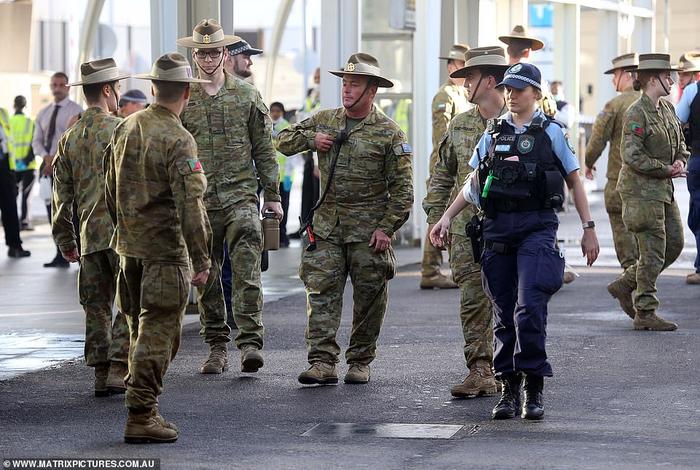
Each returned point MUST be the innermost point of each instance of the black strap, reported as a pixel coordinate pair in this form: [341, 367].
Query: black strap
[499, 247]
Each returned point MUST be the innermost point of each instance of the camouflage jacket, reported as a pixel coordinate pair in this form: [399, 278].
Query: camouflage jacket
[78, 178]
[652, 141]
[373, 183]
[608, 128]
[448, 102]
[155, 190]
[452, 168]
[234, 137]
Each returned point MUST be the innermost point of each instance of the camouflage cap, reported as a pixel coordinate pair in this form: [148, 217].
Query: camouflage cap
[689, 62]
[366, 65]
[457, 52]
[627, 62]
[208, 34]
[99, 71]
[488, 56]
[656, 62]
[171, 67]
[519, 33]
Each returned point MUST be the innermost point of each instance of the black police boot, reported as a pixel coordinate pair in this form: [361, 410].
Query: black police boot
[533, 408]
[509, 404]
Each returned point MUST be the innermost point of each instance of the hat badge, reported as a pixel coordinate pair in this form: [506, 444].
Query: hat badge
[350, 67]
[516, 68]
[206, 39]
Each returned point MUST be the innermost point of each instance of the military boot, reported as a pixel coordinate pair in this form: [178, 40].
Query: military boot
[148, 427]
[623, 293]
[320, 373]
[649, 320]
[251, 359]
[509, 404]
[217, 362]
[156, 414]
[357, 374]
[437, 281]
[115, 377]
[533, 408]
[101, 372]
[480, 381]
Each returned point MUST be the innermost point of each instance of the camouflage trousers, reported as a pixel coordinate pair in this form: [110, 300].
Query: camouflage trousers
[153, 295]
[240, 227]
[658, 229]
[625, 244]
[105, 340]
[324, 272]
[474, 306]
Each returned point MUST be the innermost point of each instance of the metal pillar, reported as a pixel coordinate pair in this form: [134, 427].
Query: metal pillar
[87, 38]
[340, 37]
[277, 32]
[567, 59]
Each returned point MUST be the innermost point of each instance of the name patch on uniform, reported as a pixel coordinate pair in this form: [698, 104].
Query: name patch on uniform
[402, 149]
[525, 143]
[503, 148]
[637, 129]
[195, 165]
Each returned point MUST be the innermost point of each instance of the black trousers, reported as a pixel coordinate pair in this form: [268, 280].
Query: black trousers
[8, 204]
[310, 186]
[25, 180]
[284, 195]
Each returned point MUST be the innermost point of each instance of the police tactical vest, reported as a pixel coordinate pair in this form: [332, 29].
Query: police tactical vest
[694, 122]
[534, 182]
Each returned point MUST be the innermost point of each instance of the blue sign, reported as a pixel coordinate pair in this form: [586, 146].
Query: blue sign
[541, 15]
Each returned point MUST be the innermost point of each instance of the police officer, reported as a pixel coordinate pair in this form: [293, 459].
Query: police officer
[132, 101]
[78, 181]
[154, 191]
[483, 71]
[522, 160]
[233, 130]
[608, 128]
[366, 175]
[653, 153]
[22, 159]
[688, 111]
[449, 101]
[8, 197]
[238, 59]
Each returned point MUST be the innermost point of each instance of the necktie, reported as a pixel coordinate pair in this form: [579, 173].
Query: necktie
[52, 129]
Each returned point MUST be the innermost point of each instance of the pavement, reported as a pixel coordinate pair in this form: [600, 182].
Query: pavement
[619, 398]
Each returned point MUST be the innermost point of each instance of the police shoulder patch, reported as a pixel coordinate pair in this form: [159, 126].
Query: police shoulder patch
[569, 144]
[195, 165]
[403, 149]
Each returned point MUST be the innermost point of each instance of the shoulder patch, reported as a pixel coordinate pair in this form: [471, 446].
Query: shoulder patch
[441, 107]
[636, 128]
[195, 165]
[403, 149]
[568, 143]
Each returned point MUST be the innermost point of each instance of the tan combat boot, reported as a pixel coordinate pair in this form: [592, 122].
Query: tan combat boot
[217, 362]
[357, 374]
[115, 377]
[148, 427]
[480, 381]
[320, 373]
[623, 293]
[156, 414]
[251, 359]
[437, 281]
[649, 320]
[693, 279]
[101, 372]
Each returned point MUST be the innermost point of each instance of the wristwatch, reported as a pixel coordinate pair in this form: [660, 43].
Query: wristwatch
[589, 224]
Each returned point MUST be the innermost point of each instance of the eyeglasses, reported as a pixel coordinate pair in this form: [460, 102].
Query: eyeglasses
[212, 53]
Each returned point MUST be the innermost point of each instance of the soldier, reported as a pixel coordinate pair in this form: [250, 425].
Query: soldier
[155, 185]
[448, 102]
[366, 174]
[653, 153]
[233, 130]
[608, 128]
[238, 59]
[78, 179]
[483, 71]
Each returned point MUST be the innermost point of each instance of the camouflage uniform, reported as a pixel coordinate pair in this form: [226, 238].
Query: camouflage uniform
[371, 189]
[451, 171]
[154, 195]
[448, 102]
[234, 137]
[652, 141]
[608, 127]
[79, 179]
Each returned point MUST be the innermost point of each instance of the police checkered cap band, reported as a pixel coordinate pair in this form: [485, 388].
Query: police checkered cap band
[522, 78]
[239, 49]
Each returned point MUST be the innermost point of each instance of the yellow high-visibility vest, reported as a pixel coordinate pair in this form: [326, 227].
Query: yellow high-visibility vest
[20, 143]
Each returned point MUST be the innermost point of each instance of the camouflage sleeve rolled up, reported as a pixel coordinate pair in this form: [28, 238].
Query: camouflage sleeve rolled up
[188, 183]
[600, 135]
[110, 183]
[298, 138]
[399, 174]
[635, 153]
[442, 181]
[62, 201]
[263, 151]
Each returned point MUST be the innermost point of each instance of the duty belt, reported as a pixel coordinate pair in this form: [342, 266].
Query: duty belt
[500, 248]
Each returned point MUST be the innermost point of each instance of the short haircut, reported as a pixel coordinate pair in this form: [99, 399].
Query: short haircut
[518, 47]
[496, 72]
[20, 102]
[169, 92]
[60, 75]
[277, 104]
[94, 91]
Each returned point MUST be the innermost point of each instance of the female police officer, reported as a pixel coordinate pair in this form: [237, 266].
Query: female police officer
[522, 160]
[653, 153]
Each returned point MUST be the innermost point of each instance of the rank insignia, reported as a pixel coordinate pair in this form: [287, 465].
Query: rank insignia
[525, 143]
[206, 39]
[195, 166]
[350, 67]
